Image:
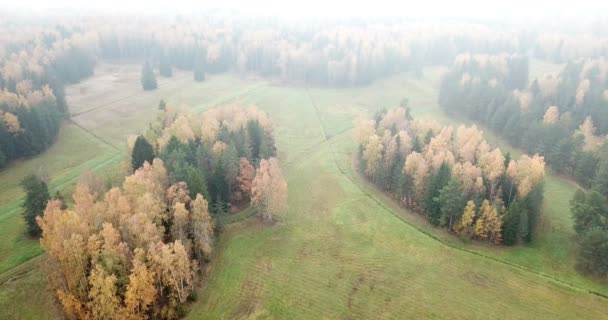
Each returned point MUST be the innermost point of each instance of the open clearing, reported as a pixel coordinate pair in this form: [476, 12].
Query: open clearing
[343, 249]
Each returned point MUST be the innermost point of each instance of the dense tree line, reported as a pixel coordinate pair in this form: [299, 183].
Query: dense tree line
[562, 117]
[590, 213]
[225, 154]
[55, 52]
[452, 177]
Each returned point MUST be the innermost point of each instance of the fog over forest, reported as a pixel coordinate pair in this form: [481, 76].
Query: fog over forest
[322, 160]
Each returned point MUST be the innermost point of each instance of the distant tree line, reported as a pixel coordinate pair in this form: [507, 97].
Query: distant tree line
[452, 177]
[562, 117]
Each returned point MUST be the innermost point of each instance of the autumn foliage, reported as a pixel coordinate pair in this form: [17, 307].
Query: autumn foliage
[451, 176]
[133, 254]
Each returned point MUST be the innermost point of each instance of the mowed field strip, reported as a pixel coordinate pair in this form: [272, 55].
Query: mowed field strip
[342, 250]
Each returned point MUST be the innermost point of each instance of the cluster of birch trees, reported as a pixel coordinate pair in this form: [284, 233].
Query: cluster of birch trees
[452, 176]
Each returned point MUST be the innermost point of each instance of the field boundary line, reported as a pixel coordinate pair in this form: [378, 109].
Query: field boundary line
[79, 113]
[94, 135]
[446, 243]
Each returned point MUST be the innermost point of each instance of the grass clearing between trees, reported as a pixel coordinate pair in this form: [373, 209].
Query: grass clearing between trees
[342, 249]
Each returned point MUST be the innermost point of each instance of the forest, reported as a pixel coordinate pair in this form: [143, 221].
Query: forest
[221, 164]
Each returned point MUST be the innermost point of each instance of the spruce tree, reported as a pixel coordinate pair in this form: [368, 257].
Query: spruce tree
[436, 183]
[164, 66]
[451, 203]
[3, 159]
[142, 152]
[148, 79]
[199, 70]
[36, 197]
[510, 226]
[601, 177]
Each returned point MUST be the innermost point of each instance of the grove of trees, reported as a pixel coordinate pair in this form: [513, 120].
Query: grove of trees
[226, 154]
[590, 213]
[138, 251]
[562, 117]
[133, 253]
[452, 177]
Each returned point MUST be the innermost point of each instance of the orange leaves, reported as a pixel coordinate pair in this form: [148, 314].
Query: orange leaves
[244, 180]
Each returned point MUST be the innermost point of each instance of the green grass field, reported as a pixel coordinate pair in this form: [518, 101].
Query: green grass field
[342, 249]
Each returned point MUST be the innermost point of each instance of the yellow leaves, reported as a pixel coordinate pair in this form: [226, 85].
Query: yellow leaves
[524, 98]
[218, 148]
[439, 149]
[587, 130]
[141, 292]
[465, 227]
[149, 178]
[269, 189]
[581, 91]
[181, 129]
[12, 100]
[12, 123]
[417, 167]
[93, 250]
[202, 228]
[492, 163]
[364, 128]
[170, 262]
[527, 172]
[396, 117]
[179, 229]
[489, 224]
[467, 141]
[104, 303]
[470, 177]
[372, 153]
[551, 115]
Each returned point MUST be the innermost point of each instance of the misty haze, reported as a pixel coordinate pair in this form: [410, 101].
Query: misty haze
[310, 160]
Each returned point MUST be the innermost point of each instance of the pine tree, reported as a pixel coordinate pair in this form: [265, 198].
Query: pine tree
[601, 177]
[142, 152]
[148, 79]
[37, 195]
[3, 159]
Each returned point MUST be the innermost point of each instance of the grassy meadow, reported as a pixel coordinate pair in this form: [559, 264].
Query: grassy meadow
[342, 249]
